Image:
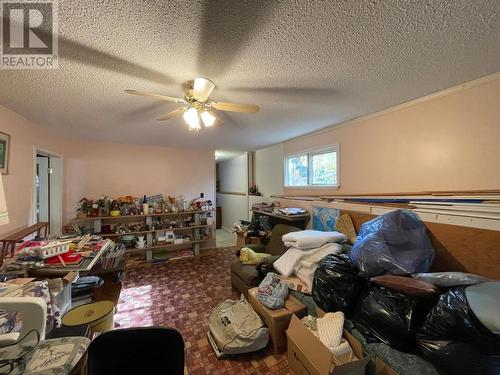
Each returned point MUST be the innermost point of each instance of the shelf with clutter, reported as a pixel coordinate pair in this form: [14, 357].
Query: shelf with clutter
[161, 228]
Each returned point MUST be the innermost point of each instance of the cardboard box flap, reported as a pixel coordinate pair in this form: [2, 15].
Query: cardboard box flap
[356, 346]
[319, 355]
[352, 368]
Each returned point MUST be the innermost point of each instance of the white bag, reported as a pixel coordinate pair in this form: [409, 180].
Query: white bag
[235, 328]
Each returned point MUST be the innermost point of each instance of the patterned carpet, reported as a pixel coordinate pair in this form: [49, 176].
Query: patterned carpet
[181, 294]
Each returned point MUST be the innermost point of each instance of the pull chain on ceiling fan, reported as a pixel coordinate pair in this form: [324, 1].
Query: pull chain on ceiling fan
[196, 109]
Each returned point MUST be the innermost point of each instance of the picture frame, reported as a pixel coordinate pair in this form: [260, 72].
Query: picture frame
[4, 152]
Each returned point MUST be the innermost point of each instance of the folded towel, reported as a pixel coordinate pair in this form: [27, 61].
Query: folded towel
[343, 353]
[307, 265]
[248, 256]
[287, 263]
[330, 329]
[311, 239]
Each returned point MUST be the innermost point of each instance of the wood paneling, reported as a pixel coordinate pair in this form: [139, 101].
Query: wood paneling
[457, 248]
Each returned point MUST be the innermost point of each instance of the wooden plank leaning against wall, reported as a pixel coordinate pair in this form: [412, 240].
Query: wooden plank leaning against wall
[458, 247]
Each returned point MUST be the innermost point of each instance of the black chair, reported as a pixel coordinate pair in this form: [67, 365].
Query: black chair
[147, 350]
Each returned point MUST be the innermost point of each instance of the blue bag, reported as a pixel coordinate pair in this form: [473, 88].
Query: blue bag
[395, 243]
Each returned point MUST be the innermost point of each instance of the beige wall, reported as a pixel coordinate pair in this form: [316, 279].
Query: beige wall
[19, 182]
[269, 170]
[233, 174]
[93, 169]
[450, 142]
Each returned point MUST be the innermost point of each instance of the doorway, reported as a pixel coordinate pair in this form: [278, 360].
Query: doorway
[48, 190]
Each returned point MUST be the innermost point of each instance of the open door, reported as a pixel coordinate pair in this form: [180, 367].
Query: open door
[48, 191]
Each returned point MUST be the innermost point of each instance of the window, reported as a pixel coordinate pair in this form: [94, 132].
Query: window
[313, 169]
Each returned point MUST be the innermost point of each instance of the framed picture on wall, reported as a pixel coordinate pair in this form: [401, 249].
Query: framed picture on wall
[4, 152]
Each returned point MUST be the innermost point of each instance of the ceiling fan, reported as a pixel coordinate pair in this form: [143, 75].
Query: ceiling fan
[197, 109]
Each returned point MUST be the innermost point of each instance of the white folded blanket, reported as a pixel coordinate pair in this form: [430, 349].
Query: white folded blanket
[330, 331]
[288, 263]
[307, 265]
[311, 239]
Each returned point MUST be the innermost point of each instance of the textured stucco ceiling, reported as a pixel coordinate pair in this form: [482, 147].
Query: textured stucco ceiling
[308, 64]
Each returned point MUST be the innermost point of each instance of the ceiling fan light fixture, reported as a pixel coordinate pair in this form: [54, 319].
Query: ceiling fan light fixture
[197, 110]
[208, 119]
[192, 118]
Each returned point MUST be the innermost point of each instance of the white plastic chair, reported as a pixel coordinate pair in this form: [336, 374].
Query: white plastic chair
[34, 316]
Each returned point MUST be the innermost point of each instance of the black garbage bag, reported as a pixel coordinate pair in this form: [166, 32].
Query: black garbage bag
[453, 339]
[395, 243]
[385, 315]
[336, 284]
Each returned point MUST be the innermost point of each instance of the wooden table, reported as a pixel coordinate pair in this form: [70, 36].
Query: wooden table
[109, 291]
[10, 241]
[299, 221]
[86, 266]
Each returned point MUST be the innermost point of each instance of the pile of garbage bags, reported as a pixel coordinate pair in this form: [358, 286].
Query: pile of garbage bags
[443, 328]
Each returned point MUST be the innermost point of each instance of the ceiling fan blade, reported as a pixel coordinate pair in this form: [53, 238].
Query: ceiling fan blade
[202, 88]
[174, 113]
[156, 96]
[233, 107]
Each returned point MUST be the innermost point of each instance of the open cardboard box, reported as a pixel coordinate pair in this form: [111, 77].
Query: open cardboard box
[307, 355]
[381, 368]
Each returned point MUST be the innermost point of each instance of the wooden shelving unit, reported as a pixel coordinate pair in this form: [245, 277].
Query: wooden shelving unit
[196, 229]
[164, 246]
[121, 217]
[177, 229]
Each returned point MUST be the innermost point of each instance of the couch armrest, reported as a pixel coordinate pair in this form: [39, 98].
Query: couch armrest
[258, 248]
[267, 265]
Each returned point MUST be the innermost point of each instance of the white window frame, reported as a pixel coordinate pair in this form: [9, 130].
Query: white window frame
[310, 153]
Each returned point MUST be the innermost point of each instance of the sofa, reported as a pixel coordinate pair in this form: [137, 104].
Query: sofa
[245, 276]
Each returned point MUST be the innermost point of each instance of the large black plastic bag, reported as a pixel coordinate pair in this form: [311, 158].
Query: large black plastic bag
[456, 341]
[395, 243]
[383, 314]
[336, 284]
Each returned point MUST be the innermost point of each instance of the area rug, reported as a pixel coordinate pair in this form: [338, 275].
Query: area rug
[181, 294]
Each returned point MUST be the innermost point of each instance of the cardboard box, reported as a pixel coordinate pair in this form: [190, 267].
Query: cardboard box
[277, 320]
[381, 368]
[308, 356]
[69, 278]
